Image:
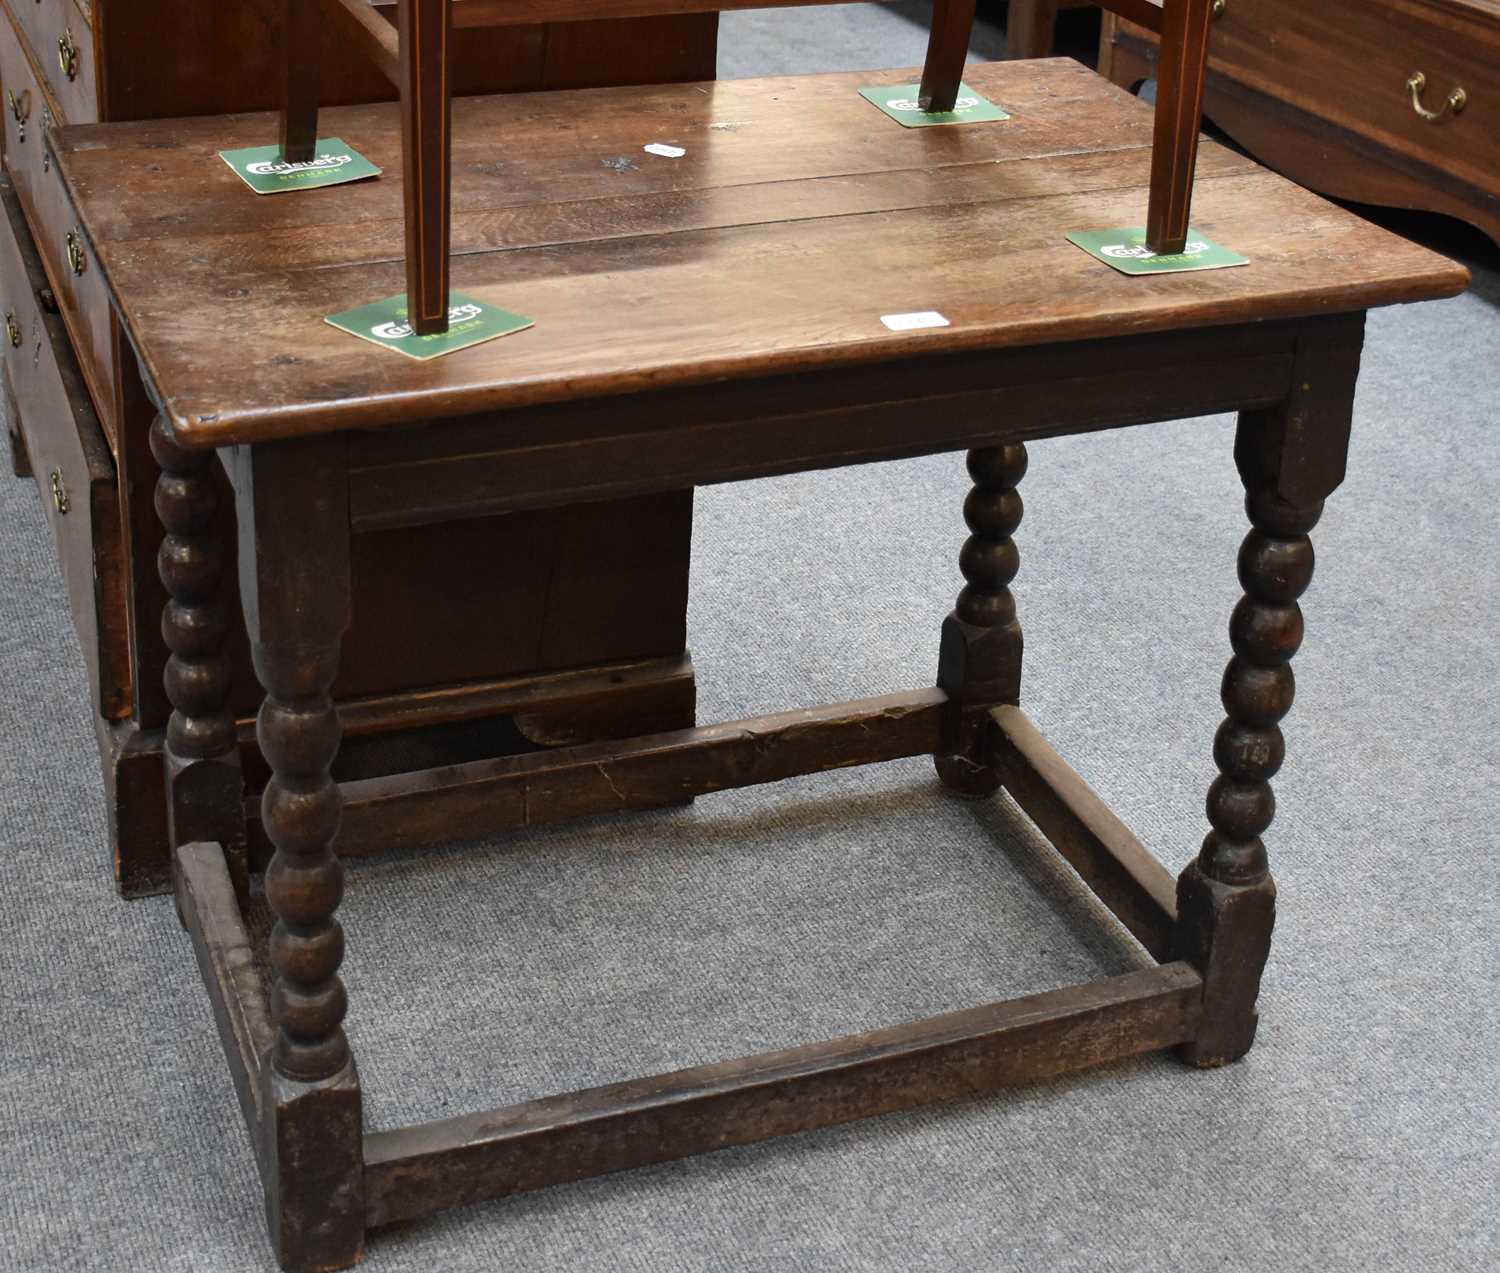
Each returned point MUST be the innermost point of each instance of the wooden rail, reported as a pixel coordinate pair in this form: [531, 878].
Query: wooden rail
[1118, 869]
[211, 913]
[461, 801]
[415, 1171]
[377, 36]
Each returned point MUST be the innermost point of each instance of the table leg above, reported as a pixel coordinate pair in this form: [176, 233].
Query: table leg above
[301, 22]
[205, 789]
[979, 659]
[1290, 458]
[292, 500]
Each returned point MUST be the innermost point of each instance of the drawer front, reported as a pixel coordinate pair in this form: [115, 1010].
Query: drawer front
[29, 112]
[80, 290]
[34, 19]
[74, 470]
[62, 42]
[1348, 62]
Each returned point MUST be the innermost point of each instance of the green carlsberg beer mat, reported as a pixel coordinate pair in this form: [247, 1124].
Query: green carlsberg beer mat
[899, 101]
[1126, 250]
[470, 322]
[263, 170]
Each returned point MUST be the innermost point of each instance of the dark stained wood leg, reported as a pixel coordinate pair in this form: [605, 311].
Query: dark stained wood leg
[1030, 28]
[205, 789]
[1290, 458]
[1179, 115]
[947, 47]
[426, 123]
[294, 579]
[979, 662]
[300, 34]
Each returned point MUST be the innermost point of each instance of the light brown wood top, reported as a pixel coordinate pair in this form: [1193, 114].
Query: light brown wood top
[797, 218]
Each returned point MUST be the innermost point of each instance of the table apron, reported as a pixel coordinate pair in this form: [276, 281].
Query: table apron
[674, 441]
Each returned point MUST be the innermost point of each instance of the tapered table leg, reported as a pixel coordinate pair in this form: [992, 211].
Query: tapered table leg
[426, 144]
[1181, 76]
[947, 47]
[1289, 458]
[979, 662]
[294, 568]
[205, 789]
[301, 79]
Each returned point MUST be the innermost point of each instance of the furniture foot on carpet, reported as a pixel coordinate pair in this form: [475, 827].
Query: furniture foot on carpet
[979, 657]
[1290, 458]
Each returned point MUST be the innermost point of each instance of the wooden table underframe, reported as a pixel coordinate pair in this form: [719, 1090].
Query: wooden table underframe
[299, 502]
[622, 388]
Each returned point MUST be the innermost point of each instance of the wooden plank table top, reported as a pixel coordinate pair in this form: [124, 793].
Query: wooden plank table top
[798, 216]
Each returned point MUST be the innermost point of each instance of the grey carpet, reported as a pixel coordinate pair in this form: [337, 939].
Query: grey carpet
[1361, 1132]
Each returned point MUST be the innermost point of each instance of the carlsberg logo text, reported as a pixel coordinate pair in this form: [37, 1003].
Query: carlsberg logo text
[1142, 253]
[911, 104]
[400, 331]
[278, 167]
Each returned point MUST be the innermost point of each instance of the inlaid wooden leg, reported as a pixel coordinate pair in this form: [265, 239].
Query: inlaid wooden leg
[205, 789]
[1289, 458]
[947, 48]
[979, 662]
[426, 123]
[300, 35]
[294, 571]
[1179, 116]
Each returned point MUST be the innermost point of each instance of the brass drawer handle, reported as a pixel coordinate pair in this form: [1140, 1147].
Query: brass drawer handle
[20, 109]
[76, 258]
[13, 330]
[67, 54]
[60, 499]
[1457, 99]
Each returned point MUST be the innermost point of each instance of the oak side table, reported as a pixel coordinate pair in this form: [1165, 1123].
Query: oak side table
[703, 319]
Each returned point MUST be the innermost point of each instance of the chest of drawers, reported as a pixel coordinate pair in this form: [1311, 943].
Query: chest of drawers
[579, 631]
[1391, 102]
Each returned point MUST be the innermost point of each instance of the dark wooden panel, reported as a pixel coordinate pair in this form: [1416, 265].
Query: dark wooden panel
[1025, 394]
[499, 596]
[166, 58]
[418, 1170]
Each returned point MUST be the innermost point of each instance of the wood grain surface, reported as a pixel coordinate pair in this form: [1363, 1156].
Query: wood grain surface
[798, 217]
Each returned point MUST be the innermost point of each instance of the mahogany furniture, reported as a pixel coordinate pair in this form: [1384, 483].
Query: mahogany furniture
[492, 670]
[417, 60]
[704, 319]
[1031, 26]
[1390, 102]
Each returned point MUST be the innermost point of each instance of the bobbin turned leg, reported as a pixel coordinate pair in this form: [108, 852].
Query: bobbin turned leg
[1289, 458]
[294, 571]
[979, 661]
[205, 790]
